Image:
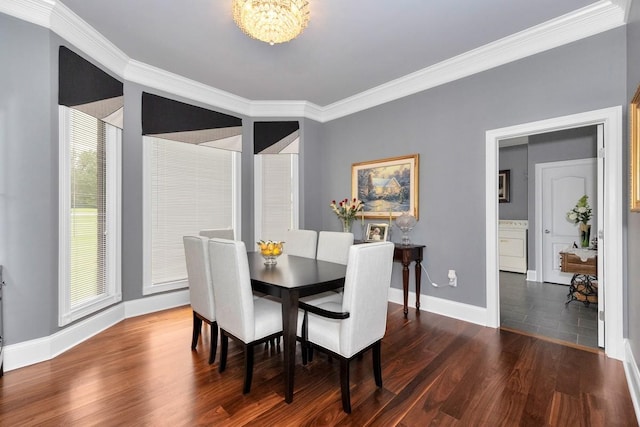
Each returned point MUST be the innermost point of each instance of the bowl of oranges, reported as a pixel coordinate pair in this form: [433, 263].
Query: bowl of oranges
[270, 250]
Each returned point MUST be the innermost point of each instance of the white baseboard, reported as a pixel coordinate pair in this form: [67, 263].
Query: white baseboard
[41, 349]
[156, 302]
[633, 377]
[532, 276]
[456, 310]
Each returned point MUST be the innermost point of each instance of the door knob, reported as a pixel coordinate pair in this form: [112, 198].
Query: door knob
[547, 231]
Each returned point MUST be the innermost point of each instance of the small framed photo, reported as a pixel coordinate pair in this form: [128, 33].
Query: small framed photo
[377, 232]
[504, 184]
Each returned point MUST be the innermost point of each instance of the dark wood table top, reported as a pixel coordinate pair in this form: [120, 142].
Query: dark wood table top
[293, 272]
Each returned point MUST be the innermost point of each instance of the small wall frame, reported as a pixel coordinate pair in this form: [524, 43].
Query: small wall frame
[504, 185]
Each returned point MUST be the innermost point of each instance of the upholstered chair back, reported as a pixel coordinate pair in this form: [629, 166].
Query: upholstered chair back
[366, 292]
[232, 288]
[220, 233]
[333, 246]
[199, 275]
[300, 243]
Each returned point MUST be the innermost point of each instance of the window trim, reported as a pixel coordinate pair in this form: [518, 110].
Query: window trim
[148, 288]
[113, 293]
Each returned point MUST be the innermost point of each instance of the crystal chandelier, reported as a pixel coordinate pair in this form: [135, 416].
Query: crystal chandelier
[271, 21]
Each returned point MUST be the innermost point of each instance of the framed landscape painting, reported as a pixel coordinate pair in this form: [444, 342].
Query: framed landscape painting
[387, 187]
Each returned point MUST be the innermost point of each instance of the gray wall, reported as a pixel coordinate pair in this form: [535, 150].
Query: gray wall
[446, 126]
[311, 174]
[28, 181]
[633, 225]
[570, 144]
[514, 159]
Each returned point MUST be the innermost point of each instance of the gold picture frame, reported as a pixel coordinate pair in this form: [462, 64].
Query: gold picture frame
[634, 143]
[387, 187]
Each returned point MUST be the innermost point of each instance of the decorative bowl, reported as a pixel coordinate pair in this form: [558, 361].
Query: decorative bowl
[270, 251]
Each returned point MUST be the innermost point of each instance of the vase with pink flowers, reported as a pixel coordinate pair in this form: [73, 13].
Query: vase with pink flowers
[346, 210]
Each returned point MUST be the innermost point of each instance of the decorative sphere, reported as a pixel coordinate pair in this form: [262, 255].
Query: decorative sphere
[406, 222]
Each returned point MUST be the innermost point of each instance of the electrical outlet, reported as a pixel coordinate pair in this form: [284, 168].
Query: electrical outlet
[453, 279]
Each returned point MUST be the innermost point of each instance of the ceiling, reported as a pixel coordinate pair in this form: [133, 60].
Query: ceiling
[348, 48]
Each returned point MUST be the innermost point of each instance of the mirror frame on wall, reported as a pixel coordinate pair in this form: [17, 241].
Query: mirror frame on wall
[634, 143]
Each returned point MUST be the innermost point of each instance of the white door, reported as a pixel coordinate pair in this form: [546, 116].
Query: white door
[563, 183]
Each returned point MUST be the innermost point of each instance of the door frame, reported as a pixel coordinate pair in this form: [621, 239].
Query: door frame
[539, 233]
[611, 119]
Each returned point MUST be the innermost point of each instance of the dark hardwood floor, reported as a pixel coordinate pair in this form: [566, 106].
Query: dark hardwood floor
[436, 371]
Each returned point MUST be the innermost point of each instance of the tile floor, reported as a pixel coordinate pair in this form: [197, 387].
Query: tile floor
[540, 308]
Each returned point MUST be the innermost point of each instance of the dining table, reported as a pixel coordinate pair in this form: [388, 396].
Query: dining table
[291, 278]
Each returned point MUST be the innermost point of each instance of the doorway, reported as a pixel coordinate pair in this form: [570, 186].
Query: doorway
[611, 119]
[549, 172]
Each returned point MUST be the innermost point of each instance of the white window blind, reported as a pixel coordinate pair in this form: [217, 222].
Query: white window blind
[89, 195]
[88, 208]
[278, 210]
[191, 188]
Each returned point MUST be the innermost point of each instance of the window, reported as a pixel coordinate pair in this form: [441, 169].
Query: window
[89, 201]
[276, 183]
[188, 187]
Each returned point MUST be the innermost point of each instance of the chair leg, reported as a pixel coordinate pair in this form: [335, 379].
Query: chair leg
[377, 363]
[248, 368]
[224, 346]
[344, 385]
[304, 343]
[197, 326]
[214, 342]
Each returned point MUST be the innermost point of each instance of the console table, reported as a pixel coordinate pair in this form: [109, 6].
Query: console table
[405, 254]
[583, 263]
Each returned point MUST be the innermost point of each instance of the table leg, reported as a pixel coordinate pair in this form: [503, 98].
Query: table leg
[418, 273]
[289, 326]
[405, 287]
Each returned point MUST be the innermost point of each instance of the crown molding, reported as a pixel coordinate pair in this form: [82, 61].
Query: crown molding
[287, 108]
[601, 16]
[156, 78]
[35, 11]
[70, 27]
[576, 25]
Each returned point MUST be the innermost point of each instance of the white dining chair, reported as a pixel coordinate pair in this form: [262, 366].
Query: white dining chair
[333, 246]
[201, 296]
[300, 243]
[347, 328]
[221, 233]
[248, 320]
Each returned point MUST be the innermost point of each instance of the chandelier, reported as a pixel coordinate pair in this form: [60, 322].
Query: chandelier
[271, 21]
